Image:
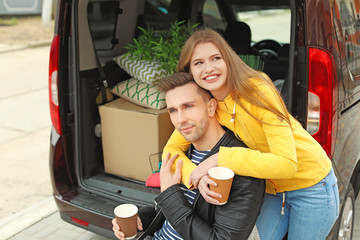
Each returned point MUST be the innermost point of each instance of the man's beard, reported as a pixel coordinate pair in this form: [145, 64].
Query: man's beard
[197, 132]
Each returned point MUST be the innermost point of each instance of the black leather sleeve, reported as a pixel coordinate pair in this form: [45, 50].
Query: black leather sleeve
[147, 215]
[234, 220]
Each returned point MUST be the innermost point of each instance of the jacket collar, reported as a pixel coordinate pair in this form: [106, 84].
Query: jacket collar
[226, 138]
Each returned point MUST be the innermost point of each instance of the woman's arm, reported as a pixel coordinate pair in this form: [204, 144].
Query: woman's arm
[177, 144]
[279, 163]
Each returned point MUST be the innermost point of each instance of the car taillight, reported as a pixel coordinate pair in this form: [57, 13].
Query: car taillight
[322, 99]
[53, 84]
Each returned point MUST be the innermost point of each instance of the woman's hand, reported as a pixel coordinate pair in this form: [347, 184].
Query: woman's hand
[202, 169]
[205, 191]
[168, 179]
[117, 231]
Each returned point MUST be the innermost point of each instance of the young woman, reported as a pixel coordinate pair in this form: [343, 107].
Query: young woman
[302, 195]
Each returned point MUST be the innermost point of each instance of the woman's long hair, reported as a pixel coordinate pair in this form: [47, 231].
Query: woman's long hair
[238, 74]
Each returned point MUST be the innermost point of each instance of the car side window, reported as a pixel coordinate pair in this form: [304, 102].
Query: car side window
[212, 16]
[277, 25]
[102, 17]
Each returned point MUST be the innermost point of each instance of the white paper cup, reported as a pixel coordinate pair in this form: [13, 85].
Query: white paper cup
[126, 217]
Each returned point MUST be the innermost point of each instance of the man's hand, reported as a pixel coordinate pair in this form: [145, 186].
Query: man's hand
[117, 231]
[202, 169]
[168, 179]
[205, 191]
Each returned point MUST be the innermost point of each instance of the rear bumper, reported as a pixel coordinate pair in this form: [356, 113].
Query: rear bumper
[85, 218]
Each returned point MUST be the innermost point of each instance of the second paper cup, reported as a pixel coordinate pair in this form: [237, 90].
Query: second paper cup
[224, 178]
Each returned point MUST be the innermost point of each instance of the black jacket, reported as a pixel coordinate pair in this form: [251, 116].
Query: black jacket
[234, 220]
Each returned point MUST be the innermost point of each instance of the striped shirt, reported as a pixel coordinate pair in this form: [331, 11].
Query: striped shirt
[167, 231]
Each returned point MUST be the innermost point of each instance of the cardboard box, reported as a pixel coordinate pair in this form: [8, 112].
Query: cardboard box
[130, 134]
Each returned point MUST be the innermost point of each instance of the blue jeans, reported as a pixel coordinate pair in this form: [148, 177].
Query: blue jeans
[309, 213]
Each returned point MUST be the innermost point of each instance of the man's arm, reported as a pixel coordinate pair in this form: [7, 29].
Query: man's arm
[234, 220]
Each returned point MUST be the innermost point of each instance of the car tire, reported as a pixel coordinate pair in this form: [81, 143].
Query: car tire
[346, 218]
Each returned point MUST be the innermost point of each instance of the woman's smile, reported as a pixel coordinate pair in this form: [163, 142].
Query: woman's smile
[212, 78]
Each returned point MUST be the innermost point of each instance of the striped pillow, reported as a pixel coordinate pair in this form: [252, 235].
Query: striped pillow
[146, 71]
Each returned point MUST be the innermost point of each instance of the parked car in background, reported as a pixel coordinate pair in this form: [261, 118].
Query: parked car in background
[310, 49]
[20, 7]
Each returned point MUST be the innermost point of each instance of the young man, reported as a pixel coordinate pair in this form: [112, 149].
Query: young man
[184, 214]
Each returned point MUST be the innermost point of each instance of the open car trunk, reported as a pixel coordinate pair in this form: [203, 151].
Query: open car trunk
[111, 25]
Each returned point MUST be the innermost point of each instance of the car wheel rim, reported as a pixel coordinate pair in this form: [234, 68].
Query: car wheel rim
[346, 220]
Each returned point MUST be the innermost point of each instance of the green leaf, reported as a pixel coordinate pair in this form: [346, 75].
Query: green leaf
[163, 46]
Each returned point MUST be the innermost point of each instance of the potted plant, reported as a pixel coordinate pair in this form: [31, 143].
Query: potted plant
[155, 54]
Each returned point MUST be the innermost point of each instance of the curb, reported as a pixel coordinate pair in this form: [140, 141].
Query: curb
[5, 48]
[15, 223]
[42, 43]
[9, 48]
